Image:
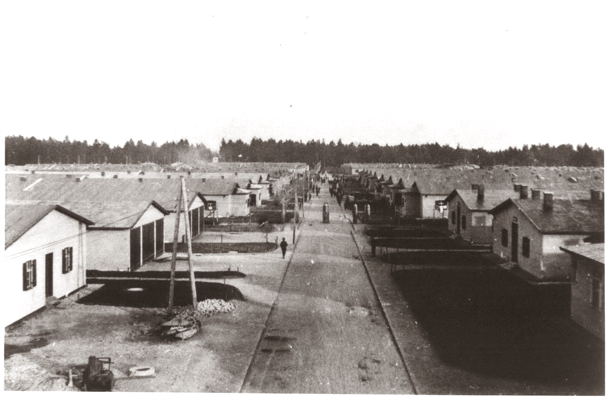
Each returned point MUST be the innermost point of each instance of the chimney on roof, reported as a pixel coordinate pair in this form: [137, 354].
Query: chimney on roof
[548, 201]
[140, 179]
[524, 192]
[535, 194]
[168, 176]
[480, 192]
[203, 180]
[78, 179]
[115, 177]
[596, 195]
[33, 171]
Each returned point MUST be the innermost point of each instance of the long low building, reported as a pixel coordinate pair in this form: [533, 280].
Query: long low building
[126, 230]
[530, 232]
[223, 198]
[469, 214]
[45, 256]
[588, 286]
[425, 187]
[125, 235]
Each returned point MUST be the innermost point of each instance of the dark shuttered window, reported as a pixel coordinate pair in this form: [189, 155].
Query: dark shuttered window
[66, 260]
[504, 237]
[526, 247]
[29, 274]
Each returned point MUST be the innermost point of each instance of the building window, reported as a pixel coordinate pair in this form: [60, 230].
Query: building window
[480, 221]
[66, 260]
[526, 247]
[211, 205]
[504, 237]
[29, 274]
[453, 218]
[463, 222]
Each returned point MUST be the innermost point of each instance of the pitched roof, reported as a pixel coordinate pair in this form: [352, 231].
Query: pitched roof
[432, 179]
[109, 203]
[62, 190]
[491, 199]
[20, 218]
[567, 216]
[213, 186]
[591, 251]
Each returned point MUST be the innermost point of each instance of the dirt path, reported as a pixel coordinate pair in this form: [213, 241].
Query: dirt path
[450, 350]
[326, 333]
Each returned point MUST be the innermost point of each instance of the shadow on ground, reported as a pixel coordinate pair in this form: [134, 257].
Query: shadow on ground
[489, 323]
[154, 293]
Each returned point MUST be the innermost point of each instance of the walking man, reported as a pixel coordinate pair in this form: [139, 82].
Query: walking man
[284, 247]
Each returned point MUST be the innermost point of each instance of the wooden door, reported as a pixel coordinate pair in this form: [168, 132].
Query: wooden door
[48, 263]
[134, 248]
[148, 241]
[160, 239]
[514, 242]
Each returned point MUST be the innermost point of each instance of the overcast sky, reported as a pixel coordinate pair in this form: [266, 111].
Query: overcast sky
[474, 73]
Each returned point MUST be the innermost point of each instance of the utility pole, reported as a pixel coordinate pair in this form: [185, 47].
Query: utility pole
[295, 213]
[193, 286]
[283, 210]
[304, 193]
[174, 252]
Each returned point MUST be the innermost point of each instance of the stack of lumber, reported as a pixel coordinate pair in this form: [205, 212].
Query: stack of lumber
[181, 326]
[186, 322]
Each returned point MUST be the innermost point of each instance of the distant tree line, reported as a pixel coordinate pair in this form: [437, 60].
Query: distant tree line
[20, 150]
[336, 154]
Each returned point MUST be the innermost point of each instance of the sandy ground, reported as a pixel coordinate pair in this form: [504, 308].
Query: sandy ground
[322, 331]
[326, 333]
[215, 360]
[451, 348]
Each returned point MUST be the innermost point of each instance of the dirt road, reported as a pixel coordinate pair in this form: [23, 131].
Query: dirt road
[326, 332]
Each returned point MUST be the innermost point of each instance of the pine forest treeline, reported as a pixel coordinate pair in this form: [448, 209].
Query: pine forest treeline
[20, 150]
[336, 154]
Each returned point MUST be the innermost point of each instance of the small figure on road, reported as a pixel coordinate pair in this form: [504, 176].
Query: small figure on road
[284, 247]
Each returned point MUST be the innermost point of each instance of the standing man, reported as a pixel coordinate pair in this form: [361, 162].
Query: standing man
[284, 247]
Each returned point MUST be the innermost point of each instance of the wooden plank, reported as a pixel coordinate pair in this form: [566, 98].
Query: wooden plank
[191, 271]
[176, 233]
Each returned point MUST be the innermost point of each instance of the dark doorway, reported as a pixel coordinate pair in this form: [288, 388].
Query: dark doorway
[201, 219]
[48, 262]
[148, 241]
[195, 222]
[458, 219]
[514, 242]
[252, 200]
[134, 247]
[160, 232]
